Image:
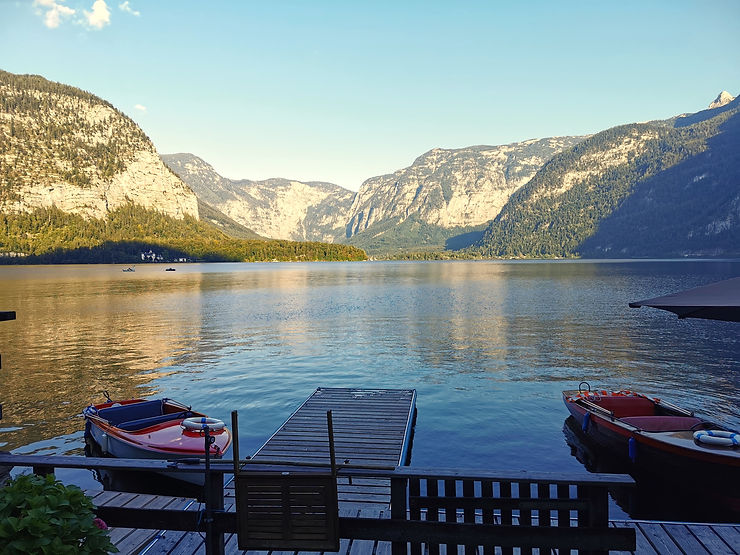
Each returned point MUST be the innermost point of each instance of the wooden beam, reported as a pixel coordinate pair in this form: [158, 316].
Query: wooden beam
[488, 534]
[106, 463]
[517, 476]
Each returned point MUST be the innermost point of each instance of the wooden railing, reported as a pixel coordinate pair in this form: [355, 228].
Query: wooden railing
[509, 510]
[429, 507]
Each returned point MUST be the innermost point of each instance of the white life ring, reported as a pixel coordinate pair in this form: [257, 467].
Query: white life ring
[718, 437]
[200, 423]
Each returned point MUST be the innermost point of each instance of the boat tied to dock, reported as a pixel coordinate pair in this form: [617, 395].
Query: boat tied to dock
[155, 429]
[660, 440]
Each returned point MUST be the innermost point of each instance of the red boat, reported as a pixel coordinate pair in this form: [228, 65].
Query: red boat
[157, 429]
[660, 440]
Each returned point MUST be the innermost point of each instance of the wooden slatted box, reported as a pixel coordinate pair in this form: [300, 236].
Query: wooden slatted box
[288, 510]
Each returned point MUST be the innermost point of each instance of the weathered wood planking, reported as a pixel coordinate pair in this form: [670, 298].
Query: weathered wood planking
[663, 538]
[652, 537]
[372, 427]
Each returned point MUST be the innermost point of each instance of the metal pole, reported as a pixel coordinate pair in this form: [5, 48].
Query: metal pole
[330, 432]
[214, 538]
[235, 440]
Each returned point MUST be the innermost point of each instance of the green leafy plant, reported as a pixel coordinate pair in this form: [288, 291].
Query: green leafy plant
[42, 515]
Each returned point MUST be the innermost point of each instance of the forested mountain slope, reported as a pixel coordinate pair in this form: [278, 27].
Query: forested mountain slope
[81, 182]
[444, 193]
[634, 190]
[63, 147]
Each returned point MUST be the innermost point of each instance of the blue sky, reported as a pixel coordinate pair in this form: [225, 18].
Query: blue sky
[343, 91]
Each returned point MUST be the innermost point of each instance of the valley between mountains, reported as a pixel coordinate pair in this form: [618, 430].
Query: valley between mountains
[80, 181]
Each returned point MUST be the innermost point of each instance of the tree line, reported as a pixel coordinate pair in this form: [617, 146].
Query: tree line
[49, 235]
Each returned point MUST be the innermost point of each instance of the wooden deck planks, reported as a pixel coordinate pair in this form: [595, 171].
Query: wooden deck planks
[665, 538]
[711, 541]
[652, 537]
[371, 427]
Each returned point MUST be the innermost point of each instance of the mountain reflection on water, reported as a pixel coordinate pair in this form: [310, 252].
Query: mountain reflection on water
[488, 345]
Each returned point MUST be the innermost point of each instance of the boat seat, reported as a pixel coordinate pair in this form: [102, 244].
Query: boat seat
[142, 423]
[663, 423]
[134, 411]
[627, 406]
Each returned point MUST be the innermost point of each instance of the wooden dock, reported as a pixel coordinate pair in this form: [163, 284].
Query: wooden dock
[372, 432]
[653, 538]
[372, 428]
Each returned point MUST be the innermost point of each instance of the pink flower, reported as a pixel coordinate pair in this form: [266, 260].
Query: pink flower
[100, 524]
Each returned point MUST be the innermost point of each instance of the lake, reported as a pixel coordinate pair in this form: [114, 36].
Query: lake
[488, 345]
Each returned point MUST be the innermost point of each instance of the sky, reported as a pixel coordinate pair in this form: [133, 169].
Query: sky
[341, 91]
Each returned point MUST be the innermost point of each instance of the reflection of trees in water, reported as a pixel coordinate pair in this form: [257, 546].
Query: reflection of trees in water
[75, 338]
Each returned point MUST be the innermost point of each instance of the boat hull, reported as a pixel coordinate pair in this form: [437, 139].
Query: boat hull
[153, 437]
[668, 456]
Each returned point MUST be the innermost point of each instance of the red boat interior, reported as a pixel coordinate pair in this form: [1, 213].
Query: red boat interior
[646, 415]
[137, 416]
[626, 406]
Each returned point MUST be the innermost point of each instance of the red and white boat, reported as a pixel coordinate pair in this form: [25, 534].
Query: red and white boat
[660, 440]
[154, 429]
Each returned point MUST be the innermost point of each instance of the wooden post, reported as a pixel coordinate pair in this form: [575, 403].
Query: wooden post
[563, 514]
[398, 510]
[486, 490]
[450, 512]
[598, 514]
[468, 491]
[216, 544]
[7, 315]
[235, 441]
[214, 494]
[414, 512]
[433, 513]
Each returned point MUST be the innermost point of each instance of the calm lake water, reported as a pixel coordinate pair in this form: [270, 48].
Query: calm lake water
[489, 346]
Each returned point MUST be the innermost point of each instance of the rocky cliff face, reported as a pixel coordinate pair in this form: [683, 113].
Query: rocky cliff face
[65, 148]
[275, 208]
[446, 189]
[452, 188]
[647, 190]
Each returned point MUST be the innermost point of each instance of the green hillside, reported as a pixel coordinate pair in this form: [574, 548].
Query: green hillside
[81, 182]
[53, 236]
[647, 203]
[392, 237]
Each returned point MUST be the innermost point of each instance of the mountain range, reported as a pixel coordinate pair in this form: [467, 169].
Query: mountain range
[655, 189]
[661, 188]
[81, 182]
[447, 192]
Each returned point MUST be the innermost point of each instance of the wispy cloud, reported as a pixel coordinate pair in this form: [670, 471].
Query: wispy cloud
[99, 17]
[140, 108]
[126, 7]
[53, 12]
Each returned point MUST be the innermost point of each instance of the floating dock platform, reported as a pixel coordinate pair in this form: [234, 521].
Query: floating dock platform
[372, 428]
